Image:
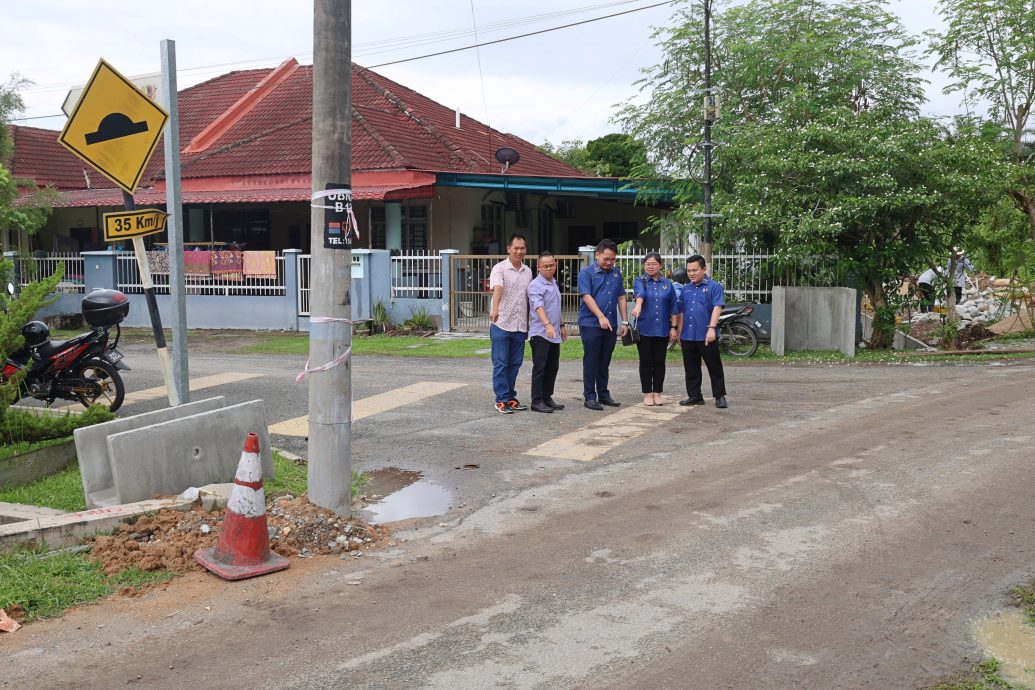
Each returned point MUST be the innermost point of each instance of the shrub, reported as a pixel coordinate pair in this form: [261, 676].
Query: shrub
[420, 320]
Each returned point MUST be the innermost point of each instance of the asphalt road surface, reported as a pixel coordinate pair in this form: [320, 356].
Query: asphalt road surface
[836, 527]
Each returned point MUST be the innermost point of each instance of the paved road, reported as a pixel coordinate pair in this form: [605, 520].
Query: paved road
[836, 527]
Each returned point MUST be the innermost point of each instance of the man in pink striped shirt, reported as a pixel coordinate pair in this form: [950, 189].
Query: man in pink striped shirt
[509, 282]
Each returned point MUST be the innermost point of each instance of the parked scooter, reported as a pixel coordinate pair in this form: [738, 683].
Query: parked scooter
[85, 368]
[737, 331]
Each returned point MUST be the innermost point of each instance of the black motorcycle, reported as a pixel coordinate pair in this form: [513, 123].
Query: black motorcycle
[737, 331]
[84, 368]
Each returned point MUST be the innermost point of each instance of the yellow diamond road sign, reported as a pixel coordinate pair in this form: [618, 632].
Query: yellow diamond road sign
[114, 127]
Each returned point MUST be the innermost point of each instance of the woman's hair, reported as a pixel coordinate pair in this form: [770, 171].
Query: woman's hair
[653, 255]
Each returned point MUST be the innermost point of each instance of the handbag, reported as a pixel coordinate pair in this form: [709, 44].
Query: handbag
[632, 333]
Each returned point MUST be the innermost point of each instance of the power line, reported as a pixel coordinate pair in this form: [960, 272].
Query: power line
[513, 38]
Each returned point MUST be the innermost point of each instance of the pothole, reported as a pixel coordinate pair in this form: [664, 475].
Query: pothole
[403, 494]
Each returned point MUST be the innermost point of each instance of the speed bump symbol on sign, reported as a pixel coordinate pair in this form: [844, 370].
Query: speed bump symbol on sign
[114, 127]
[123, 225]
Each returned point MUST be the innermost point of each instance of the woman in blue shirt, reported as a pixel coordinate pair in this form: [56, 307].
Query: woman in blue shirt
[656, 316]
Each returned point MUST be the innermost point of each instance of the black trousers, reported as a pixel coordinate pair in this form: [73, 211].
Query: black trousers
[652, 363]
[693, 352]
[546, 359]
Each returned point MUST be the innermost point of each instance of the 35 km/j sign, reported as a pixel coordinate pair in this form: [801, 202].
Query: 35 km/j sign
[127, 224]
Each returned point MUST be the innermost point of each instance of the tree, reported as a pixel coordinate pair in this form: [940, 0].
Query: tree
[850, 54]
[988, 49]
[612, 155]
[30, 213]
[876, 192]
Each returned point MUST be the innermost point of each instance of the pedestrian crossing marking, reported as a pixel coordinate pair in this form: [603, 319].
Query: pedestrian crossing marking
[593, 440]
[375, 404]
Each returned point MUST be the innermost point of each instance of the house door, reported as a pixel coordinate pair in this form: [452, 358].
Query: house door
[581, 236]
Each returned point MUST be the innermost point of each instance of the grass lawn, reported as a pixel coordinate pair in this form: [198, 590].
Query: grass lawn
[474, 348]
[44, 585]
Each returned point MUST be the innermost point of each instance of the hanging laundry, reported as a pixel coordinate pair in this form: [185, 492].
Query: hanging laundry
[228, 265]
[197, 263]
[260, 264]
[158, 262]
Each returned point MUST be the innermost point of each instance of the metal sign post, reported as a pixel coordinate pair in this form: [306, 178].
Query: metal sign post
[114, 127]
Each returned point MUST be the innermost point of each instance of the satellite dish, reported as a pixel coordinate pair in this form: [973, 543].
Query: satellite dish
[507, 156]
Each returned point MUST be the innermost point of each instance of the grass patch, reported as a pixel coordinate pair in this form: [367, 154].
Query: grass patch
[982, 676]
[62, 490]
[1023, 597]
[44, 585]
[293, 478]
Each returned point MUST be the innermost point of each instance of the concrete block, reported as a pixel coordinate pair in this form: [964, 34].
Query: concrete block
[813, 319]
[26, 468]
[92, 447]
[69, 529]
[167, 458]
[16, 512]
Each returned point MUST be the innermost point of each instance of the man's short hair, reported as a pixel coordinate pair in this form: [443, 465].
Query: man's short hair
[543, 255]
[606, 244]
[516, 236]
[696, 258]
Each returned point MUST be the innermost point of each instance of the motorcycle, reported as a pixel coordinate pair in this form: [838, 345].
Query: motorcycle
[84, 368]
[737, 331]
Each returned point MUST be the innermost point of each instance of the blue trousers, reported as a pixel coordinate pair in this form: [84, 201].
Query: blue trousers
[597, 347]
[508, 350]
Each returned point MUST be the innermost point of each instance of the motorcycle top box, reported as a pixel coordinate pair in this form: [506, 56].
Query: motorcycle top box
[105, 307]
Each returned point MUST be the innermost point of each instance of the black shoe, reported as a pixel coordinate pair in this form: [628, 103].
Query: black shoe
[551, 403]
[541, 407]
[593, 405]
[515, 406]
[720, 402]
[686, 402]
[610, 402]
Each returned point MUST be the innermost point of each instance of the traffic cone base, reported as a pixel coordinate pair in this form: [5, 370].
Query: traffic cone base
[243, 549]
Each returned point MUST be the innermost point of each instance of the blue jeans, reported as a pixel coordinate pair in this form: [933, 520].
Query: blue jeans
[597, 346]
[508, 349]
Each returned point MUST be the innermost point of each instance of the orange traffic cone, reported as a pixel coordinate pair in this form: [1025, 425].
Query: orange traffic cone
[243, 549]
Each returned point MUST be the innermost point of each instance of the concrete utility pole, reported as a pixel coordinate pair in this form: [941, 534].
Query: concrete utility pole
[708, 115]
[330, 332]
[174, 207]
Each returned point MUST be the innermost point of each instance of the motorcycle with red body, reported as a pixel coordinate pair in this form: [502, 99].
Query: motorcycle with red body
[84, 368]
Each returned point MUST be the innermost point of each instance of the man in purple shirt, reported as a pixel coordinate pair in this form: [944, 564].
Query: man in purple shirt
[546, 331]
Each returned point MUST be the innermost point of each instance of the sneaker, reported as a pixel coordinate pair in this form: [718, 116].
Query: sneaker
[503, 408]
[515, 406]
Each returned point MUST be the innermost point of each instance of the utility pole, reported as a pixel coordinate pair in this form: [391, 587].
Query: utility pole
[330, 326]
[709, 114]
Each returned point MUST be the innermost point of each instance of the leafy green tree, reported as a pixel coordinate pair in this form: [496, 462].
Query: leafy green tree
[988, 49]
[766, 53]
[32, 213]
[612, 155]
[875, 192]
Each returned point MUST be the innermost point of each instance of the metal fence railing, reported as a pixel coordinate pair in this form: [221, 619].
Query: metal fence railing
[128, 280]
[470, 298]
[304, 263]
[417, 274]
[745, 277]
[32, 268]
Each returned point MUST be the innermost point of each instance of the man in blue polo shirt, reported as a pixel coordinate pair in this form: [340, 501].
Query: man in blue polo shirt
[603, 298]
[699, 306]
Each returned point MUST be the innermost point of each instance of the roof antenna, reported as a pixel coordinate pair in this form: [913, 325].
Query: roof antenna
[508, 157]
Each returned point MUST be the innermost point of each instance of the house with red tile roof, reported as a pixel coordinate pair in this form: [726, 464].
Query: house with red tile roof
[425, 177]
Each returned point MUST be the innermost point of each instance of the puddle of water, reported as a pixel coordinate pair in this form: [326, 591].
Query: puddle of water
[1009, 637]
[405, 495]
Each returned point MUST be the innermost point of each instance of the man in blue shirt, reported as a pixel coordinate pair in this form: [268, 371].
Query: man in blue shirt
[603, 298]
[699, 306]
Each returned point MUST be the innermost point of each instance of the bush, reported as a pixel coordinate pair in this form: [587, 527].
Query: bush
[24, 426]
[420, 320]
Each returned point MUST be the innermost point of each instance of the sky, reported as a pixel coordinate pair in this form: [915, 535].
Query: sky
[555, 86]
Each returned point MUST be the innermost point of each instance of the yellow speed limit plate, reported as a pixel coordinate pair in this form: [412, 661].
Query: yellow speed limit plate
[126, 224]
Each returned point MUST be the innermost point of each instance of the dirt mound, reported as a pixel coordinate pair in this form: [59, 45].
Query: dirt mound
[167, 539]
